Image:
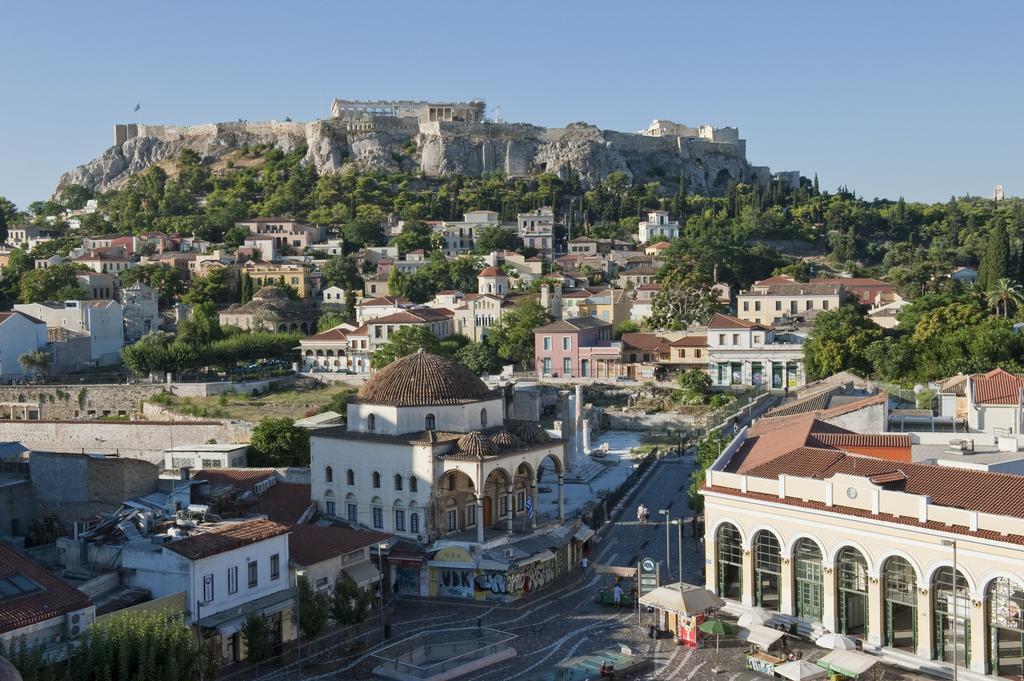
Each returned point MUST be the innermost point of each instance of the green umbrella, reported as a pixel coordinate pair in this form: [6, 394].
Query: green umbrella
[719, 629]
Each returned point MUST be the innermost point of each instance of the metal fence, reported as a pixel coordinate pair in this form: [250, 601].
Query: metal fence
[430, 653]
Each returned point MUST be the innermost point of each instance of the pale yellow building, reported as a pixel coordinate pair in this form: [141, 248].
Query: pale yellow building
[838, 531]
[274, 274]
[769, 299]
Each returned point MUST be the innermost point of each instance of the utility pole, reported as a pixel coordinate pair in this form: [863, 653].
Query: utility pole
[668, 544]
[679, 527]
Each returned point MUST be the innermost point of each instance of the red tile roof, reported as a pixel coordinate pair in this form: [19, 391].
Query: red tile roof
[312, 544]
[724, 321]
[492, 272]
[242, 479]
[643, 341]
[784, 279]
[285, 502]
[998, 387]
[332, 335]
[841, 440]
[694, 341]
[227, 538]
[55, 597]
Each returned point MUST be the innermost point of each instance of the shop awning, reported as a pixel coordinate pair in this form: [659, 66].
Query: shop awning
[583, 534]
[847, 662]
[760, 635]
[264, 605]
[363, 574]
[450, 565]
[683, 599]
[493, 565]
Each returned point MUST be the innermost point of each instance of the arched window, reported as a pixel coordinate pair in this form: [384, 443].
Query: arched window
[350, 477]
[1005, 599]
[767, 570]
[807, 575]
[483, 418]
[329, 474]
[899, 598]
[951, 610]
[371, 423]
[413, 484]
[429, 422]
[414, 523]
[376, 480]
[852, 585]
[730, 561]
[398, 482]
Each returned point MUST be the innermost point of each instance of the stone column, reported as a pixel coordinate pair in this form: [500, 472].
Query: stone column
[925, 632]
[828, 596]
[787, 600]
[875, 610]
[511, 509]
[479, 519]
[580, 448]
[533, 497]
[568, 427]
[979, 634]
[586, 438]
[747, 595]
[561, 499]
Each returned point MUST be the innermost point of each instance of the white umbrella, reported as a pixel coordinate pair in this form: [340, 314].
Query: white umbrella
[755, 616]
[800, 670]
[836, 642]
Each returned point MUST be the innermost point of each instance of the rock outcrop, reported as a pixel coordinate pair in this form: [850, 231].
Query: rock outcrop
[436, 150]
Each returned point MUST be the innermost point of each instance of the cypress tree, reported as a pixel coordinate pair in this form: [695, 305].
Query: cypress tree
[996, 261]
[817, 189]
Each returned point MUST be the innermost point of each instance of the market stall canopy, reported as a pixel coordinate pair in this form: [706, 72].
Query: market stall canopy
[682, 599]
[836, 642]
[847, 662]
[761, 635]
[800, 670]
[754, 616]
[716, 628]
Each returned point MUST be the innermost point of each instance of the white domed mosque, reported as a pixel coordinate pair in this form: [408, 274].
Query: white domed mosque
[427, 454]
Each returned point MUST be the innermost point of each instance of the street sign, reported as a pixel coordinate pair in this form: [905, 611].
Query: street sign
[648, 575]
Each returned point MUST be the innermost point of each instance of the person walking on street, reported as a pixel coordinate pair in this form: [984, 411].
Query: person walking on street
[584, 562]
[641, 514]
[617, 595]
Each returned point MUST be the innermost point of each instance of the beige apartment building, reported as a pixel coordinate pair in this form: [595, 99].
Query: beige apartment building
[769, 299]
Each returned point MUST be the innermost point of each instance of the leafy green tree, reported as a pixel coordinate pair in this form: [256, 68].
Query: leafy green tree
[406, 340]
[513, 336]
[490, 239]
[694, 387]
[363, 232]
[480, 358]
[74, 196]
[328, 321]
[3, 225]
[235, 236]
[1004, 293]
[210, 288]
[627, 326]
[314, 609]
[136, 645]
[165, 280]
[246, 286]
[683, 300]
[350, 306]
[415, 235]
[343, 272]
[838, 342]
[202, 325]
[37, 361]
[259, 643]
[996, 262]
[349, 604]
[55, 283]
[278, 442]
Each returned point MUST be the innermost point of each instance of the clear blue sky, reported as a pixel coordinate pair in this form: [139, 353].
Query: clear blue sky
[921, 99]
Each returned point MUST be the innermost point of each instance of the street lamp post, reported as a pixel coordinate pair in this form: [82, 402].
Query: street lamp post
[668, 543]
[299, 574]
[956, 598]
[380, 584]
[679, 529]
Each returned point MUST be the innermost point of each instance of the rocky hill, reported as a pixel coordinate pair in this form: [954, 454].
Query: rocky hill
[436, 150]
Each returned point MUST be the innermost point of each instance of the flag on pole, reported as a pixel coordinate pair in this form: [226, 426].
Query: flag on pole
[529, 506]
[138, 106]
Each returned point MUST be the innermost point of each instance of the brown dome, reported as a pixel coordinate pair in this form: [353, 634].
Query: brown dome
[531, 433]
[476, 445]
[423, 379]
[492, 272]
[506, 440]
[270, 293]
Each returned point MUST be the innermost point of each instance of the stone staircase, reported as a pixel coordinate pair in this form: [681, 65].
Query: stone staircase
[586, 470]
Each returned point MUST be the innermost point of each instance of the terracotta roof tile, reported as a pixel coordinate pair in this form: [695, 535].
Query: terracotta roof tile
[312, 544]
[285, 502]
[722, 321]
[691, 341]
[424, 379]
[54, 598]
[997, 387]
[643, 341]
[226, 538]
[242, 479]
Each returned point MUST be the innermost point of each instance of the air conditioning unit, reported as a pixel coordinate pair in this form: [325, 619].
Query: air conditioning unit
[77, 621]
[508, 553]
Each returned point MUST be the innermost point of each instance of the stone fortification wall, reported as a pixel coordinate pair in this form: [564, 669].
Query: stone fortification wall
[144, 440]
[74, 401]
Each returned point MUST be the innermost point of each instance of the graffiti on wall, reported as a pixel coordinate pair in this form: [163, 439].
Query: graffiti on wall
[454, 583]
[517, 582]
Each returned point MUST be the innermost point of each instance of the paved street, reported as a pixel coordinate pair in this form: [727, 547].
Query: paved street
[563, 620]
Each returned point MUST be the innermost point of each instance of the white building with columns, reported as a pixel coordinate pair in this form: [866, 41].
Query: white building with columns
[427, 454]
[838, 531]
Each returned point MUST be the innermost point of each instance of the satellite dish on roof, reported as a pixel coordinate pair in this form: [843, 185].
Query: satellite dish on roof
[918, 389]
